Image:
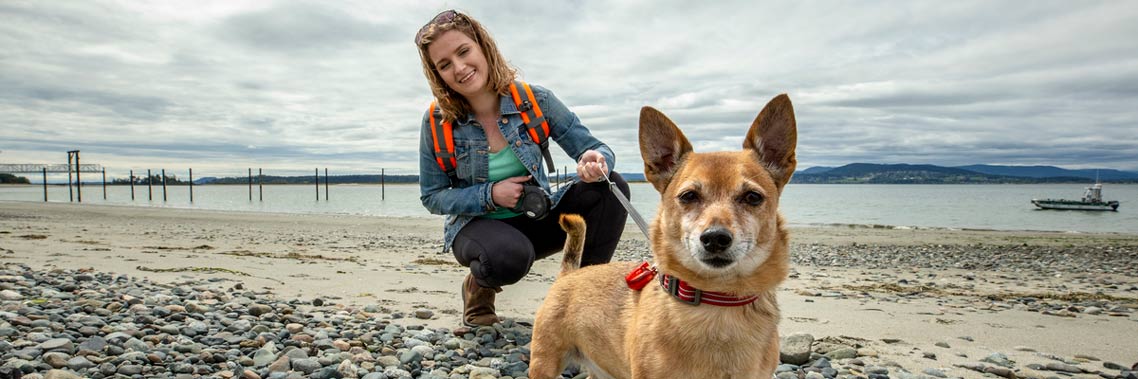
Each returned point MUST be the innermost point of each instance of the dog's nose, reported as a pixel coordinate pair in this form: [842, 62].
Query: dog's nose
[715, 240]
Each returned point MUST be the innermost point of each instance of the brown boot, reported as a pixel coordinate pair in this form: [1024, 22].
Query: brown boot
[478, 303]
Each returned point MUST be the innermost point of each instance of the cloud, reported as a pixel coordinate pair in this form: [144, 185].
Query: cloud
[226, 85]
[292, 27]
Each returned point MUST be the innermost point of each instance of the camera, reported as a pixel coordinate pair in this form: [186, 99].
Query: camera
[533, 203]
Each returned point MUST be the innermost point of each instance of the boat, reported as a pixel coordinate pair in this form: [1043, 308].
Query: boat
[1091, 201]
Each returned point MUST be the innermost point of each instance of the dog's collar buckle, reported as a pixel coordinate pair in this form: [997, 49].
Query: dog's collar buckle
[674, 290]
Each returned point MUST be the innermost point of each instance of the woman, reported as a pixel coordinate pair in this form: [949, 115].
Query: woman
[495, 160]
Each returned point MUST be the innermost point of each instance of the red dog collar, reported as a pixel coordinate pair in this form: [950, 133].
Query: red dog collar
[681, 290]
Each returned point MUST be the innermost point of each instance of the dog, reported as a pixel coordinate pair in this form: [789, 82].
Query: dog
[708, 308]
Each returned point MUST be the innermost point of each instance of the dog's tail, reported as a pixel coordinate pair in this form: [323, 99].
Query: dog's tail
[574, 227]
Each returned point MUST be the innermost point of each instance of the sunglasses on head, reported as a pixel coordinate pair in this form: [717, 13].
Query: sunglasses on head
[444, 17]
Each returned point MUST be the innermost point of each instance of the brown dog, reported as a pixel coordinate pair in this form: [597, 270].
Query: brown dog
[721, 248]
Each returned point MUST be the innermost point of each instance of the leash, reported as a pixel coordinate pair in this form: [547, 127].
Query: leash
[627, 205]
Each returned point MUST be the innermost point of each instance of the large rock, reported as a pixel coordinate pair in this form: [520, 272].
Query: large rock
[55, 359]
[58, 344]
[842, 353]
[999, 359]
[483, 373]
[795, 348]
[60, 374]
[259, 309]
[263, 358]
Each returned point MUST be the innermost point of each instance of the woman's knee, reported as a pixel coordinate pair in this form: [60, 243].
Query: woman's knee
[506, 266]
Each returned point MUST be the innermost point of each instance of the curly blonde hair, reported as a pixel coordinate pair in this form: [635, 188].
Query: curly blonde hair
[500, 76]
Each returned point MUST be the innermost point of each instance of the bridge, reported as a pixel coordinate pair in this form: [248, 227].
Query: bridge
[72, 166]
[23, 168]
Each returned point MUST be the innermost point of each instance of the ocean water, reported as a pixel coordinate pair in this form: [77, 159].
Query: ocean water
[986, 206]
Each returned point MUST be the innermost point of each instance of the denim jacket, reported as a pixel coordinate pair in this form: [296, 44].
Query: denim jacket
[471, 197]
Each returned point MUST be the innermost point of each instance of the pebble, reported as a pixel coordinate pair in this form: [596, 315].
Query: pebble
[795, 348]
[934, 372]
[1063, 367]
[999, 359]
[99, 325]
[1083, 266]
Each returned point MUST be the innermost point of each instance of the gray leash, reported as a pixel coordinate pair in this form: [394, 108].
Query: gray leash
[627, 206]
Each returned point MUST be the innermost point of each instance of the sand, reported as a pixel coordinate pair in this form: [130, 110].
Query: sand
[397, 263]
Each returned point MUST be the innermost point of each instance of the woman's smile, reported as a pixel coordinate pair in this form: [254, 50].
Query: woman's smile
[464, 78]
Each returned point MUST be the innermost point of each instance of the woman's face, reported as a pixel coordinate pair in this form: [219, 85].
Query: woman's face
[460, 62]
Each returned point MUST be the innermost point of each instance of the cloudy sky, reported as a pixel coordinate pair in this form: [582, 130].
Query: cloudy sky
[288, 86]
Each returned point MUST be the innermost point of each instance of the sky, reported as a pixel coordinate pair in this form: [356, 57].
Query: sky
[289, 86]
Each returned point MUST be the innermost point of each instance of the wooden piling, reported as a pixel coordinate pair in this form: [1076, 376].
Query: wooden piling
[325, 184]
[45, 184]
[163, 185]
[382, 185]
[260, 185]
[104, 184]
[317, 184]
[250, 184]
[131, 185]
[149, 186]
[70, 192]
[78, 181]
[191, 185]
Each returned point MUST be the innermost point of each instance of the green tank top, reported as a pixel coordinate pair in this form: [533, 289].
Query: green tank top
[504, 164]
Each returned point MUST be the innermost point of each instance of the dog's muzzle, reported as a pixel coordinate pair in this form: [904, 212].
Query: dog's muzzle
[715, 242]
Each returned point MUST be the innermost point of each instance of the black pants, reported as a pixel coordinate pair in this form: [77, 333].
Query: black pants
[501, 252]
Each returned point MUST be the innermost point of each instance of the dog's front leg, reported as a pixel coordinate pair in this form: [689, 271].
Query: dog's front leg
[547, 353]
[544, 369]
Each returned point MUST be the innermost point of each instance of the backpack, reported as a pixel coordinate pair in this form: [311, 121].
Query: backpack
[535, 125]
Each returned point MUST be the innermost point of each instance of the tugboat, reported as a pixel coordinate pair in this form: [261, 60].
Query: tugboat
[1092, 201]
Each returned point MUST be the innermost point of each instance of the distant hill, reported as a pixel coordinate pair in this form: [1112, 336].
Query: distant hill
[633, 176]
[815, 170]
[868, 173]
[1051, 172]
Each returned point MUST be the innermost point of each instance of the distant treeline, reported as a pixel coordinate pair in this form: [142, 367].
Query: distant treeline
[12, 179]
[310, 179]
[155, 179]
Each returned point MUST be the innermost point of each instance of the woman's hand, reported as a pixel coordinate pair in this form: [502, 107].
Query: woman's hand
[506, 192]
[592, 168]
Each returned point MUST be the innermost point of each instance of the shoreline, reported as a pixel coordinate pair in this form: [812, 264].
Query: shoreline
[630, 226]
[896, 293]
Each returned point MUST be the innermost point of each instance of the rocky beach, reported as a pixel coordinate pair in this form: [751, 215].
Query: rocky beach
[125, 292]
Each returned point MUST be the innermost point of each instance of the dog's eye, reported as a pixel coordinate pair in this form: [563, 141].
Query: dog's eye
[688, 197]
[752, 198]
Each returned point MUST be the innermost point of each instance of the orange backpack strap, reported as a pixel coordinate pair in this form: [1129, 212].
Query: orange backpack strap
[441, 134]
[535, 123]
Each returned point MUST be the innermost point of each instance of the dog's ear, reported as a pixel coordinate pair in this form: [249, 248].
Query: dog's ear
[662, 146]
[773, 137]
